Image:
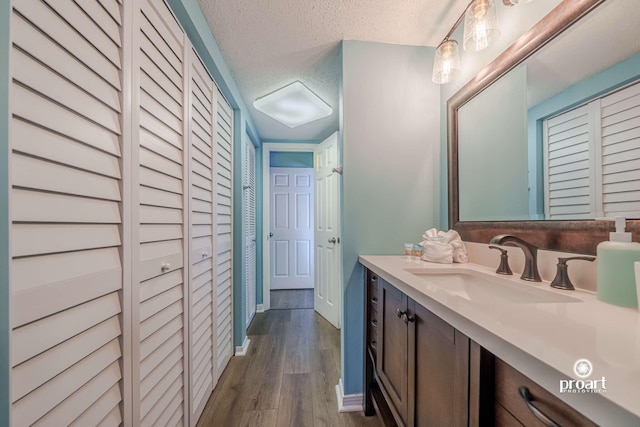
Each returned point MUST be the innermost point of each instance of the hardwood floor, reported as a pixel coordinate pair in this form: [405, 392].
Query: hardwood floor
[288, 377]
[291, 299]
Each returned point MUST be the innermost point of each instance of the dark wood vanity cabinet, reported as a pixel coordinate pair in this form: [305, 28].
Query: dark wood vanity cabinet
[421, 364]
[538, 409]
[421, 371]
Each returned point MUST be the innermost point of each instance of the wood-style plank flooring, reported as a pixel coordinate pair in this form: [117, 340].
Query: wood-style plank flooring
[291, 298]
[288, 377]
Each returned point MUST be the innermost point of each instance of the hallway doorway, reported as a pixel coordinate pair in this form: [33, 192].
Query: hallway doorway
[281, 254]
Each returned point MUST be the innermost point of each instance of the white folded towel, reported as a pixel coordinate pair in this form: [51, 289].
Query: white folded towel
[443, 247]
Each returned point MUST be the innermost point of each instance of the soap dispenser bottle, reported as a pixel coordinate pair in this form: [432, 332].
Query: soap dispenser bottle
[615, 258]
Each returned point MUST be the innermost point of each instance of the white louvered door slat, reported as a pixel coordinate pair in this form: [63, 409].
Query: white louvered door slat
[66, 270]
[250, 229]
[620, 152]
[569, 165]
[159, 316]
[202, 307]
[223, 234]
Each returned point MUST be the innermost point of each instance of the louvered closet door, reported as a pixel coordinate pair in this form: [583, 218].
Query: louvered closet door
[250, 228]
[569, 165]
[66, 176]
[223, 232]
[160, 376]
[201, 336]
[620, 152]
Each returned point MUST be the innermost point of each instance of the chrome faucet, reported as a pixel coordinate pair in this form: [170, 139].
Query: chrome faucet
[530, 272]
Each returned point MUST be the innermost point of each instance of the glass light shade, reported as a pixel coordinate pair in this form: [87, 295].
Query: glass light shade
[514, 2]
[446, 66]
[293, 105]
[480, 25]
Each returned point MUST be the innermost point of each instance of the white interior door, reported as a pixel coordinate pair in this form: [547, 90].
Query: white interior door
[328, 277]
[159, 318]
[291, 228]
[249, 187]
[223, 233]
[69, 281]
[201, 260]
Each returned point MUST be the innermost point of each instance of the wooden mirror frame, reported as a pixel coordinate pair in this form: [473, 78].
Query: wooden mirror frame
[580, 236]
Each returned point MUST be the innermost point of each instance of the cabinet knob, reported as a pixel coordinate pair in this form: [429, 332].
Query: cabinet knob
[399, 313]
[205, 254]
[165, 267]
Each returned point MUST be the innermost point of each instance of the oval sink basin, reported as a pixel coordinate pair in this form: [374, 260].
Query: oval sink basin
[491, 291]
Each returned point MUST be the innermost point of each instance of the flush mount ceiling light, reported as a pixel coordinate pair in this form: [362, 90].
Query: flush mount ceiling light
[293, 105]
[480, 25]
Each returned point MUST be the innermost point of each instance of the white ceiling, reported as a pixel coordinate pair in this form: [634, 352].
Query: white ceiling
[269, 44]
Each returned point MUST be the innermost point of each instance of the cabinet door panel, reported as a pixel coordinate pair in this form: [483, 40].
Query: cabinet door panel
[392, 346]
[438, 366]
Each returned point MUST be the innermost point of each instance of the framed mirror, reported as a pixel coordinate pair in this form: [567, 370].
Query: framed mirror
[516, 162]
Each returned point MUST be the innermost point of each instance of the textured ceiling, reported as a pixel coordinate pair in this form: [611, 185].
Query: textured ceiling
[269, 44]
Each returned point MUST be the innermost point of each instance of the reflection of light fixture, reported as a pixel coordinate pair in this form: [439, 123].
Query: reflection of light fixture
[480, 25]
[293, 105]
[447, 62]
[514, 2]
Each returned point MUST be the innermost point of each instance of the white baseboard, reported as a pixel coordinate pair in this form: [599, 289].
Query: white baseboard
[242, 350]
[260, 308]
[350, 402]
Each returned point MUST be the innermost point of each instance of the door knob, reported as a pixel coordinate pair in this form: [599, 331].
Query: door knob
[332, 240]
[270, 234]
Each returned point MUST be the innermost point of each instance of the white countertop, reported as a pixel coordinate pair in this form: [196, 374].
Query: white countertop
[534, 337]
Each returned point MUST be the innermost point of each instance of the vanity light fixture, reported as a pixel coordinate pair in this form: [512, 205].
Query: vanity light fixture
[480, 25]
[480, 28]
[293, 105]
[447, 62]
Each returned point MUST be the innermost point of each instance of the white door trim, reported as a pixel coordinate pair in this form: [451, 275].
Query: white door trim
[267, 148]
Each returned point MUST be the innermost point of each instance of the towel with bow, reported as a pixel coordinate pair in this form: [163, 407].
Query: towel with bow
[443, 247]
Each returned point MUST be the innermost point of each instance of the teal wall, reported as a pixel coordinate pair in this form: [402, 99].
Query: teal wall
[195, 24]
[290, 159]
[492, 156]
[390, 147]
[4, 213]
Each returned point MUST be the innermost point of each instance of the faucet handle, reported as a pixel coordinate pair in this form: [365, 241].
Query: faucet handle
[562, 281]
[503, 268]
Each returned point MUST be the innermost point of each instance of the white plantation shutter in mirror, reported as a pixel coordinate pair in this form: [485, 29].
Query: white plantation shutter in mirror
[66, 268]
[592, 158]
[620, 152]
[569, 168]
[159, 305]
[201, 336]
[223, 201]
